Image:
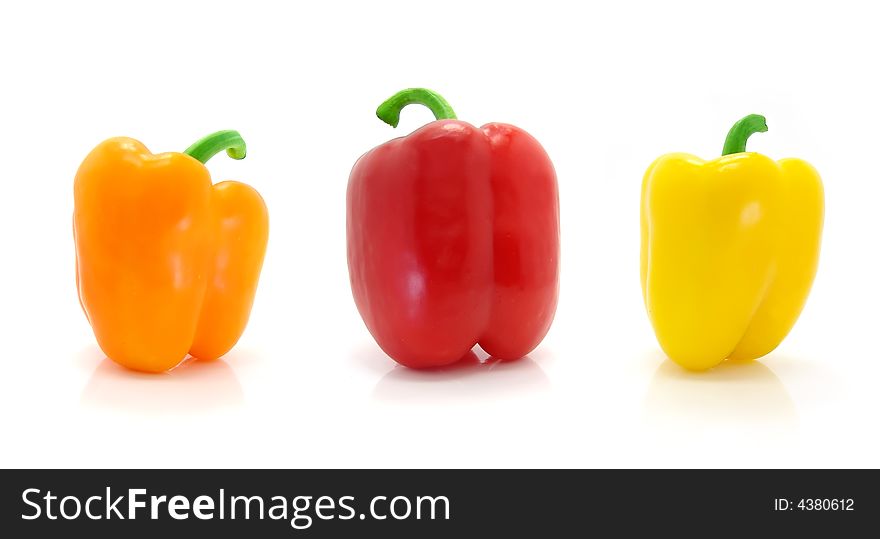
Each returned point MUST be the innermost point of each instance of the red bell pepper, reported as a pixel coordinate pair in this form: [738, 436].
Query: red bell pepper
[453, 238]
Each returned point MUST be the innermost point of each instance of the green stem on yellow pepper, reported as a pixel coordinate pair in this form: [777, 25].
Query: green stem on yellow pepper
[741, 131]
[389, 111]
[207, 147]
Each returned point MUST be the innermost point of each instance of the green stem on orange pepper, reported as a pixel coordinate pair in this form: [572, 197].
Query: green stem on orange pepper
[207, 147]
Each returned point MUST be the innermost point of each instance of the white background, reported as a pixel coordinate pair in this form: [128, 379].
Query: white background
[606, 88]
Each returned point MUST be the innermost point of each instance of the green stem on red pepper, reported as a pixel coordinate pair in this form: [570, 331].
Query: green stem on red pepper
[741, 131]
[389, 111]
[207, 147]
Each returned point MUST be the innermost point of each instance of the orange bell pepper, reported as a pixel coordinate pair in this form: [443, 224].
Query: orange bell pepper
[167, 264]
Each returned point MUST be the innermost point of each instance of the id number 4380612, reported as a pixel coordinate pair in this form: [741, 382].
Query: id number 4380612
[814, 504]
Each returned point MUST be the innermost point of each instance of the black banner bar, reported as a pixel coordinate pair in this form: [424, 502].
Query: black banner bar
[436, 503]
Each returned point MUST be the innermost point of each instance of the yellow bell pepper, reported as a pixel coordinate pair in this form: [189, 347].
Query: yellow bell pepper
[729, 250]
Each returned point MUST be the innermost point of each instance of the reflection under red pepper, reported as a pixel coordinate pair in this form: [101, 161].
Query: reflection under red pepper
[469, 379]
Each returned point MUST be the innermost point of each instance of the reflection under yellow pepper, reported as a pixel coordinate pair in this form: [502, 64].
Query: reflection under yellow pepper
[729, 249]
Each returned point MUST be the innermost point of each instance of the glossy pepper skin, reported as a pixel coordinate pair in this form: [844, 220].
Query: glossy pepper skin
[167, 264]
[453, 238]
[730, 248]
